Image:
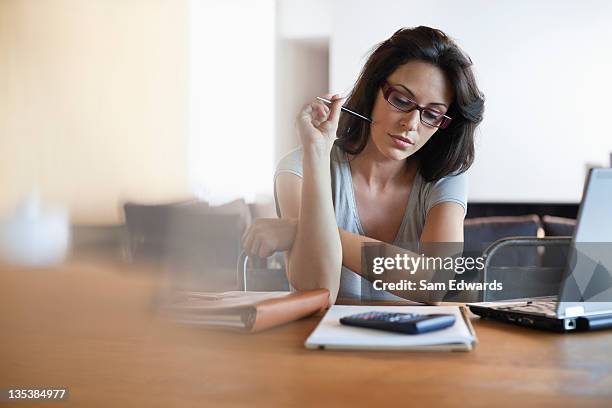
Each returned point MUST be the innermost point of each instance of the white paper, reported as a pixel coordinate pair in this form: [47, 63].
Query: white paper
[331, 334]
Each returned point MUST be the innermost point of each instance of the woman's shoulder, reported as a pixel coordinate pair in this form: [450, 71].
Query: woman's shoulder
[452, 188]
[292, 161]
[456, 180]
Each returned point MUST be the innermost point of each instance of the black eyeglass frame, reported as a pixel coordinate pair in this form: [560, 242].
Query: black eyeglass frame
[387, 89]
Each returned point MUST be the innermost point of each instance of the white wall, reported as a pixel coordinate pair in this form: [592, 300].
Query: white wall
[231, 99]
[544, 67]
[303, 19]
[302, 73]
[302, 63]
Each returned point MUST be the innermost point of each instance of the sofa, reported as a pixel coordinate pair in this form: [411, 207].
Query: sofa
[203, 241]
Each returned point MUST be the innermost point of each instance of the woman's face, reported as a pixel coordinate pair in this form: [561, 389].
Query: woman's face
[396, 134]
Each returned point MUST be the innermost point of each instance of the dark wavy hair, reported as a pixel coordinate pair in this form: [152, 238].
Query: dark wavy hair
[450, 150]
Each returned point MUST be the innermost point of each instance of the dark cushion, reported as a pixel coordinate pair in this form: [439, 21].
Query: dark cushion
[558, 226]
[202, 249]
[479, 233]
[197, 242]
[237, 207]
[148, 225]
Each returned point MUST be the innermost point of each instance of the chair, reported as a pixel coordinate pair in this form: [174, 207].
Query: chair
[480, 233]
[257, 274]
[558, 226]
[196, 247]
[202, 250]
[147, 228]
[527, 280]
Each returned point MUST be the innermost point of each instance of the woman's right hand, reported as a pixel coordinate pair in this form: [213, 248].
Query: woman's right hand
[269, 235]
[317, 123]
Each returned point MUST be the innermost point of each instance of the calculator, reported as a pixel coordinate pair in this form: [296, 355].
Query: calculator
[407, 323]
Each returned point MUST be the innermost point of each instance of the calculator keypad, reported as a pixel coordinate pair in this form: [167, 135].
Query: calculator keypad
[388, 317]
[407, 323]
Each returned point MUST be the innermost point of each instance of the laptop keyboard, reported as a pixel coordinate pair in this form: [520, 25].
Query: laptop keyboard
[543, 307]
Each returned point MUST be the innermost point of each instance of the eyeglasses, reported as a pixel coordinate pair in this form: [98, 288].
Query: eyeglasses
[401, 101]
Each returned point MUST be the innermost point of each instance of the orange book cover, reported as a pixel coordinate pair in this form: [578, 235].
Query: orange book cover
[244, 311]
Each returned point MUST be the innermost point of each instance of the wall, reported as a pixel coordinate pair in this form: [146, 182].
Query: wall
[93, 103]
[232, 99]
[301, 75]
[95, 95]
[302, 63]
[543, 66]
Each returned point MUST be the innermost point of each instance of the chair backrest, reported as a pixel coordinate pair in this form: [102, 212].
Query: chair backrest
[203, 249]
[257, 274]
[480, 233]
[528, 280]
[558, 226]
[197, 246]
[147, 227]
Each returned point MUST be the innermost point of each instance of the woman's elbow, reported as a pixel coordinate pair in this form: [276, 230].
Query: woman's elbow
[316, 275]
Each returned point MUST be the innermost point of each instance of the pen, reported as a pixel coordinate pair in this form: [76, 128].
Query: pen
[346, 110]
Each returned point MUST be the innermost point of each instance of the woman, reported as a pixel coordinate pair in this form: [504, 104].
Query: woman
[397, 179]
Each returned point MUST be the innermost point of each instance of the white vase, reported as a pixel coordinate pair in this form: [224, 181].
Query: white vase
[35, 237]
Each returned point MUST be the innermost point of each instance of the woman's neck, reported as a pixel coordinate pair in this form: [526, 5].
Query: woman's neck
[379, 171]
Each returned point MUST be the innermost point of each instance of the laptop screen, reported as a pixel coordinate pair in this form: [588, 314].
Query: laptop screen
[588, 279]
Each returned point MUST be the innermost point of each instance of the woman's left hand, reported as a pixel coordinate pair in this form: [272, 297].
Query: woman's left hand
[269, 235]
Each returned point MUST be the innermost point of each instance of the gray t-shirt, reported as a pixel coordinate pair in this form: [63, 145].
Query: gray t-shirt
[423, 196]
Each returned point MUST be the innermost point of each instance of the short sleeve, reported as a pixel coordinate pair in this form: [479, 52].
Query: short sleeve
[452, 189]
[290, 163]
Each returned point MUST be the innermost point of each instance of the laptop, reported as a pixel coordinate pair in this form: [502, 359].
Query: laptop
[584, 301]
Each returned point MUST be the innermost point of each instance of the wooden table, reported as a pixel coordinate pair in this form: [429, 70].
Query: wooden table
[89, 327]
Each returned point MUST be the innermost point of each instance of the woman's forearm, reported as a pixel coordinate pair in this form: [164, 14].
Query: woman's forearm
[352, 252]
[316, 255]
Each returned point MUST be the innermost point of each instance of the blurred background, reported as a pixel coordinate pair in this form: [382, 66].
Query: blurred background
[166, 103]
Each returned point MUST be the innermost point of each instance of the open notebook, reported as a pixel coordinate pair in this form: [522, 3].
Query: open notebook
[330, 334]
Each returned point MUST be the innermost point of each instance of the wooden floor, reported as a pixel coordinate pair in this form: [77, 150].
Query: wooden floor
[90, 327]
